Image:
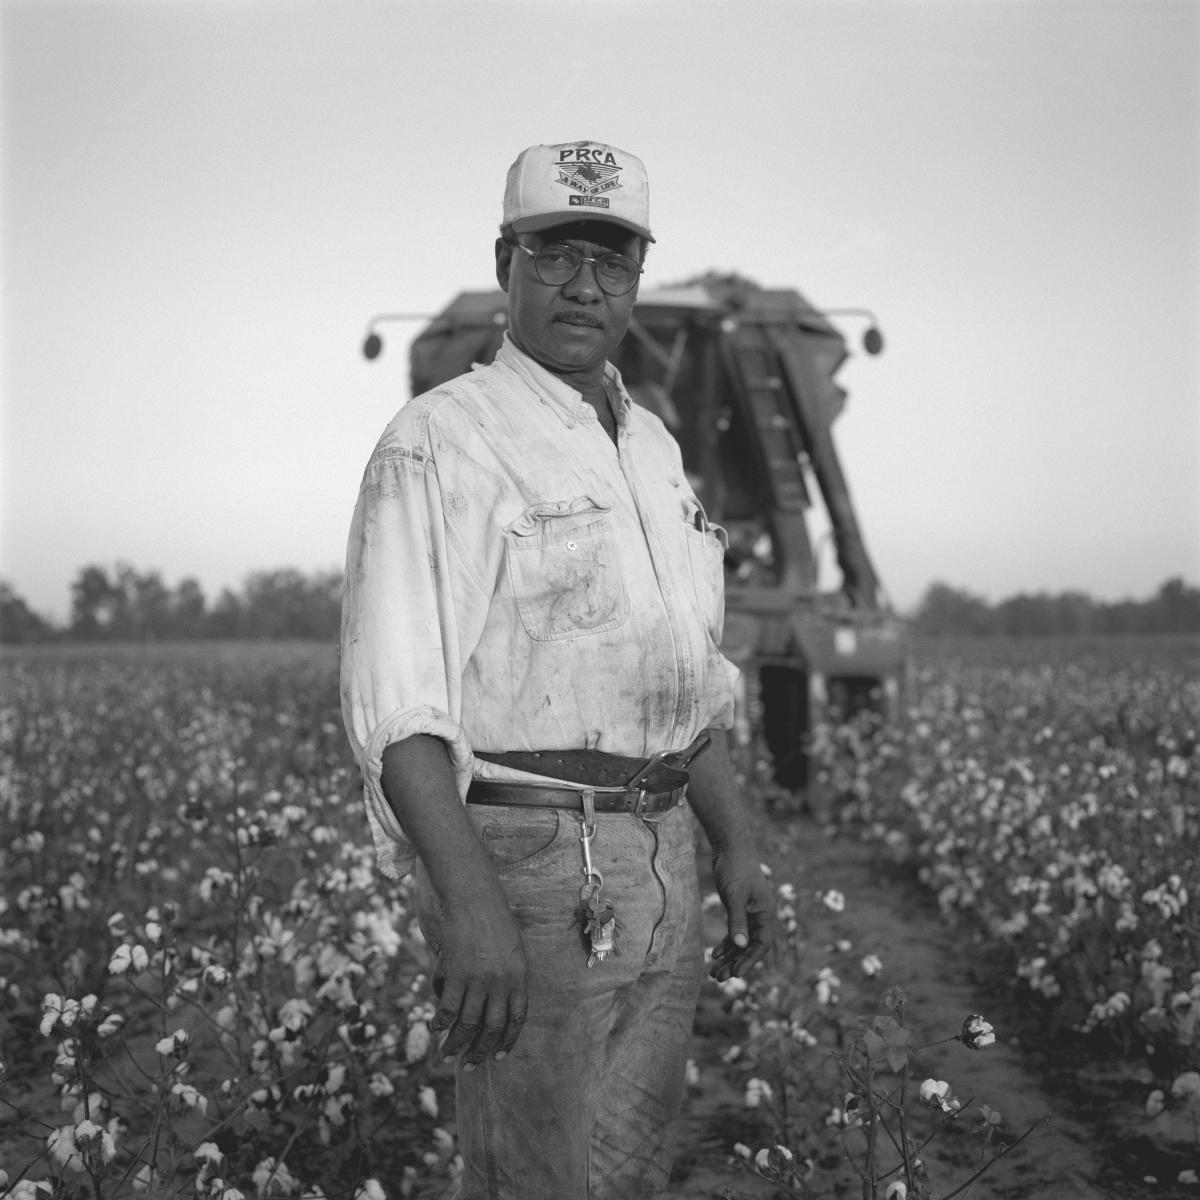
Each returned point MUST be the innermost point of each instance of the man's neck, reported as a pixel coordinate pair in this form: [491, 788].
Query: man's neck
[597, 397]
[591, 384]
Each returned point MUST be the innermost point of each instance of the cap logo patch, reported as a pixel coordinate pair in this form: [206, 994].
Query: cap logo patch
[588, 172]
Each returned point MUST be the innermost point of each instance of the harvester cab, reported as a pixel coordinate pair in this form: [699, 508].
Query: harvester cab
[743, 377]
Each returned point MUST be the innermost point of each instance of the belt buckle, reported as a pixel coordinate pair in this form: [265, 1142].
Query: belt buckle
[683, 759]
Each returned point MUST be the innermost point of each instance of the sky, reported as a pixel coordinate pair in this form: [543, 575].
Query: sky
[204, 203]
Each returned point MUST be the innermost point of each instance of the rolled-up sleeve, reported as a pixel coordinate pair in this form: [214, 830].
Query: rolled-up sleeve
[402, 638]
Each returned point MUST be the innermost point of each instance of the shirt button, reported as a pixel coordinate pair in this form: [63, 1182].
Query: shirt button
[572, 545]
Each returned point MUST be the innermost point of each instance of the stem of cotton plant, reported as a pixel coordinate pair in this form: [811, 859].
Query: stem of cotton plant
[904, 1154]
[94, 1176]
[868, 1186]
[962, 1187]
[939, 1042]
[785, 1127]
[265, 1189]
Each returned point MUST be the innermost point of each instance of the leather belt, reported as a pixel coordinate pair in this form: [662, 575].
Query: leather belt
[605, 800]
[615, 783]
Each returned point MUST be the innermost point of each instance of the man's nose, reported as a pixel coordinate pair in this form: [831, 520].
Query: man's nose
[584, 286]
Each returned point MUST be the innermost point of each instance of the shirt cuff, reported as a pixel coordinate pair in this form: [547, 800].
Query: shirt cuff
[394, 853]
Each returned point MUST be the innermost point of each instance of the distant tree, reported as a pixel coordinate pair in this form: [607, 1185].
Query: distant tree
[188, 613]
[18, 622]
[947, 610]
[144, 601]
[1021, 614]
[1075, 613]
[1045, 615]
[1176, 608]
[325, 592]
[124, 604]
[1122, 616]
[227, 618]
[93, 604]
[275, 603]
[286, 603]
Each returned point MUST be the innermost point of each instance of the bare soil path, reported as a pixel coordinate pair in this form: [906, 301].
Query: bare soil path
[888, 917]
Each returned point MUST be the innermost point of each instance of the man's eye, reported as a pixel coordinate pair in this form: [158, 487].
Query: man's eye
[613, 264]
[556, 258]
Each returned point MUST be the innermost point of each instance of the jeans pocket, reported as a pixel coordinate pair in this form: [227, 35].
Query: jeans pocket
[565, 570]
[517, 838]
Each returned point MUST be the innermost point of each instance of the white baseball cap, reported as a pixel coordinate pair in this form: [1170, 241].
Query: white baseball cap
[577, 181]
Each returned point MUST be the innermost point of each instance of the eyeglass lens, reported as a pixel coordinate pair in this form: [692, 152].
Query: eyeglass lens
[557, 265]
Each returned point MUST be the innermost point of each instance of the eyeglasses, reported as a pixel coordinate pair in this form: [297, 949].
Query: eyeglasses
[558, 264]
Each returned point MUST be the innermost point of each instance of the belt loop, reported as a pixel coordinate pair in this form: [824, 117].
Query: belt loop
[639, 807]
[589, 808]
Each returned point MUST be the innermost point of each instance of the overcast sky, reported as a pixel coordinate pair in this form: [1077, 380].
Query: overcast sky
[204, 202]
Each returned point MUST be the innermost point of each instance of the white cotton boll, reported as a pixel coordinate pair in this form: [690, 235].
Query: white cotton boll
[416, 1043]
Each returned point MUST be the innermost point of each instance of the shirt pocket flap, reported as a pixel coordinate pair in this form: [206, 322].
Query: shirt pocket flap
[547, 517]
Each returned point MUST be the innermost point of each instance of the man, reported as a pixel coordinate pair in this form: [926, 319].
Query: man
[532, 610]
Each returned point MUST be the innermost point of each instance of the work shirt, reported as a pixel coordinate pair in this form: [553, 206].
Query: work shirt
[514, 581]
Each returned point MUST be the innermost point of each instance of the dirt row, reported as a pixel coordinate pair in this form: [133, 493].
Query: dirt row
[1080, 1150]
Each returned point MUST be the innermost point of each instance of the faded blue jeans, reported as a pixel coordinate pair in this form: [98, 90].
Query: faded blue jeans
[584, 1108]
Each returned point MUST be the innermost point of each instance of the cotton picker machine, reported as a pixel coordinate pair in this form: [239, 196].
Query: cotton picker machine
[743, 377]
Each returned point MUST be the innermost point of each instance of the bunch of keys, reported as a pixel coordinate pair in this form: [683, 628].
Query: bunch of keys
[600, 921]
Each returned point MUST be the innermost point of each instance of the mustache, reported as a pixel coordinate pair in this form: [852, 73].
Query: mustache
[577, 317]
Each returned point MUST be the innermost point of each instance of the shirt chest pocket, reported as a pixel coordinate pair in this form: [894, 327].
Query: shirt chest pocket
[565, 571]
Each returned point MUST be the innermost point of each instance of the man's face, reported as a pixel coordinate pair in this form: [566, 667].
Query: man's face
[569, 328]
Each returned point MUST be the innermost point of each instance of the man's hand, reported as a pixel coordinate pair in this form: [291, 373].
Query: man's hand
[480, 983]
[715, 797]
[750, 912]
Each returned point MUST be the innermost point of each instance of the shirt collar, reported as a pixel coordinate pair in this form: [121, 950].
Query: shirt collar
[557, 395]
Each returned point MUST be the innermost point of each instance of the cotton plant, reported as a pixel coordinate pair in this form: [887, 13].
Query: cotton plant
[1065, 841]
[806, 1037]
[233, 1001]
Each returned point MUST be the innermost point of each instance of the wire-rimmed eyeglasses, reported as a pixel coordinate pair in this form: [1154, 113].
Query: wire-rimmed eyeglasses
[558, 264]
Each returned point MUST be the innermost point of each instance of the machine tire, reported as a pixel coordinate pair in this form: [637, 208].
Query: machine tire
[786, 723]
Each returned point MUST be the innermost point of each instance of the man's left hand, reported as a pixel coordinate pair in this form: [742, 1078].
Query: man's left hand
[750, 911]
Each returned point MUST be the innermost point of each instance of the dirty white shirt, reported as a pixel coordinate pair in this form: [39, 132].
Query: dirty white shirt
[514, 581]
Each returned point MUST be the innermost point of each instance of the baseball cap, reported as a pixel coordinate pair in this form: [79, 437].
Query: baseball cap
[577, 181]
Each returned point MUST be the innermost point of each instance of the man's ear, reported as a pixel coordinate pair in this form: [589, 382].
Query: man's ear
[504, 257]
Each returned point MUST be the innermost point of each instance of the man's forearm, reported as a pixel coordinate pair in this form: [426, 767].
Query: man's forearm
[419, 784]
[716, 799]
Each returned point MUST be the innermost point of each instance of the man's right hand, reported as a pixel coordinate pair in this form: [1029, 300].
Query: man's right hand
[480, 981]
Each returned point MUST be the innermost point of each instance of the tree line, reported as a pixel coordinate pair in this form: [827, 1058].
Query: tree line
[121, 603]
[948, 611]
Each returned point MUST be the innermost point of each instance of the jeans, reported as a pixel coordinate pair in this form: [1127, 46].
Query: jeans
[584, 1107]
